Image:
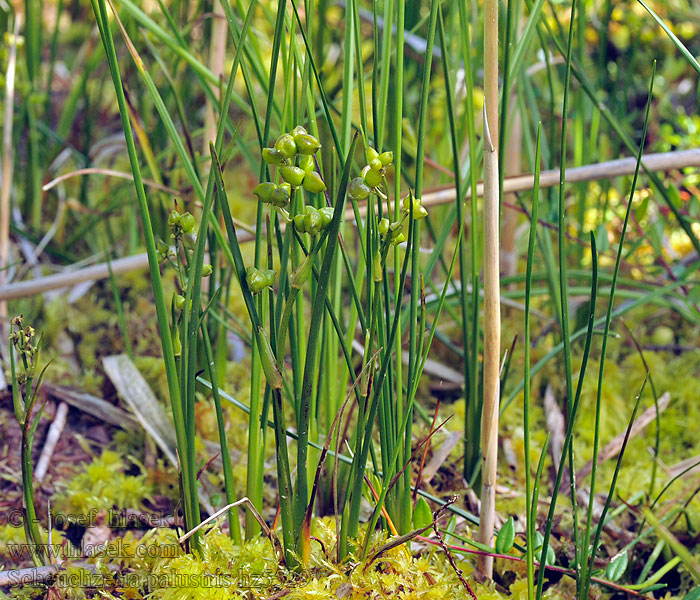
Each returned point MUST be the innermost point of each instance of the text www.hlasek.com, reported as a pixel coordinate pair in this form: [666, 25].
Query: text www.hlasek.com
[20, 552]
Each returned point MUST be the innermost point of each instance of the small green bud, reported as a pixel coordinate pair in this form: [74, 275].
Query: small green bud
[187, 222]
[326, 216]
[313, 183]
[358, 189]
[372, 178]
[375, 164]
[386, 158]
[264, 190]
[306, 162]
[383, 226]
[274, 157]
[285, 186]
[306, 143]
[207, 270]
[371, 154]
[174, 219]
[286, 145]
[298, 130]
[179, 301]
[292, 175]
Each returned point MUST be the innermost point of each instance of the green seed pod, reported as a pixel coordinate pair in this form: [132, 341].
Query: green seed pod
[358, 189]
[270, 275]
[386, 158]
[419, 212]
[306, 143]
[187, 222]
[313, 183]
[177, 344]
[274, 157]
[279, 197]
[207, 270]
[286, 145]
[326, 216]
[372, 178]
[301, 273]
[299, 223]
[375, 164]
[256, 280]
[383, 226]
[292, 175]
[298, 130]
[398, 238]
[313, 222]
[179, 301]
[267, 360]
[174, 219]
[371, 154]
[377, 270]
[264, 190]
[285, 186]
[163, 250]
[306, 162]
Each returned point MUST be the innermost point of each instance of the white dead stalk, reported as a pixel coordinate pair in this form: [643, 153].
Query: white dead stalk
[7, 158]
[492, 338]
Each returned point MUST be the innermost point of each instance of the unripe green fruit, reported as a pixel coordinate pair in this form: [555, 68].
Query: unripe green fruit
[187, 222]
[174, 218]
[286, 145]
[274, 157]
[280, 197]
[299, 223]
[292, 175]
[386, 158]
[358, 189]
[313, 183]
[179, 301]
[298, 130]
[207, 270]
[372, 178]
[371, 154]
[306, 143]
[326, 215]
[264, 190]
[375, 164]
[313, 222]
[383, 226]
[306, 162]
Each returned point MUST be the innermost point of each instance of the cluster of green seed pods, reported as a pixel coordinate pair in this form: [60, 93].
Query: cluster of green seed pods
[313, 220]
[259, 279]
[181, 223]
[293, 155]
[372, 174]
[396, 230]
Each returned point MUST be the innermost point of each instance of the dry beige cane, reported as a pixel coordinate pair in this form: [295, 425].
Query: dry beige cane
[492, 307]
